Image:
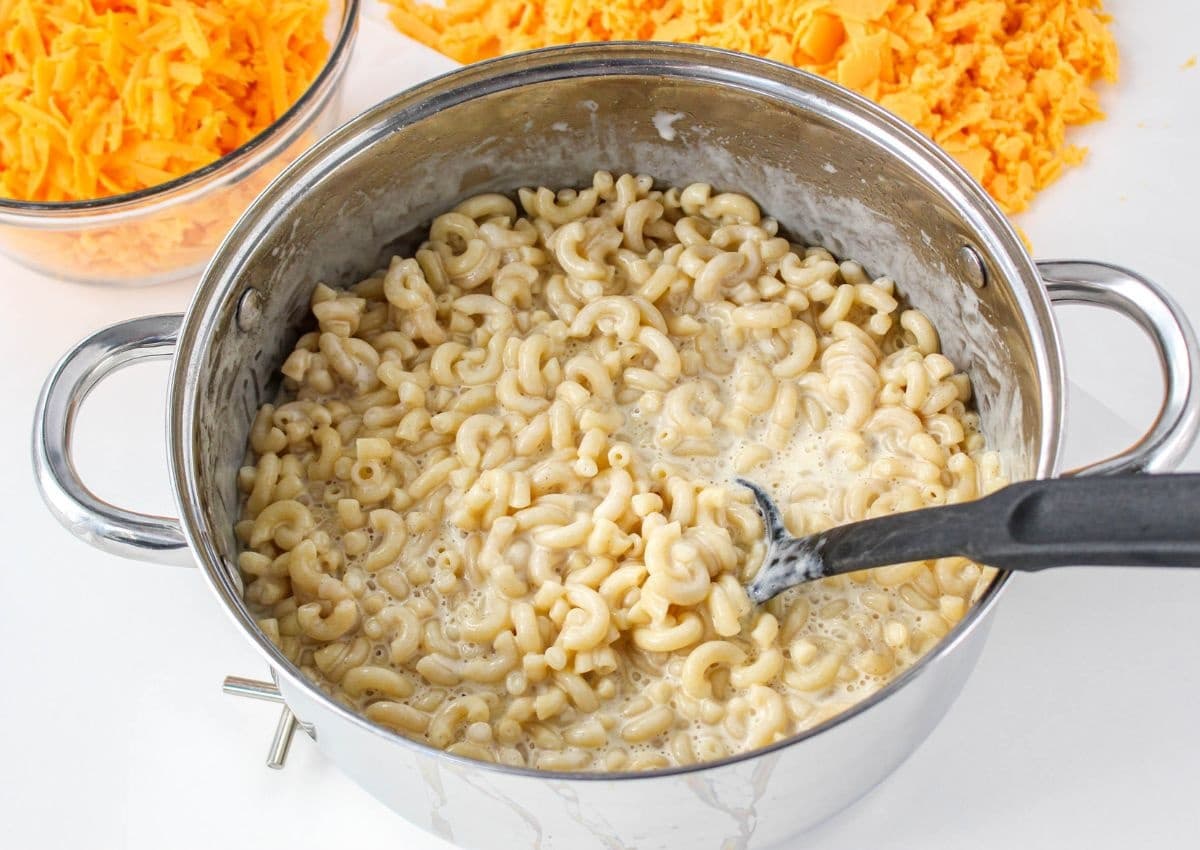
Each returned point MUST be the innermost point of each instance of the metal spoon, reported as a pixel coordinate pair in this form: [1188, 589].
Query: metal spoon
[1131, 520]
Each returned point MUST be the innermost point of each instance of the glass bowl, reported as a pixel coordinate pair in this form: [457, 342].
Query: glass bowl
[170, 231]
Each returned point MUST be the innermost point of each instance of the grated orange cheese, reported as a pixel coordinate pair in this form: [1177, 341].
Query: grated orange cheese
[995, 82]
[103, 97]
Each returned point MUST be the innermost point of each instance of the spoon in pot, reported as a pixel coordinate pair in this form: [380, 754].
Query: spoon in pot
[1130, 520]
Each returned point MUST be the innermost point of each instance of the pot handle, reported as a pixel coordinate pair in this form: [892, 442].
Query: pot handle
[1174, 430]
[90, 518]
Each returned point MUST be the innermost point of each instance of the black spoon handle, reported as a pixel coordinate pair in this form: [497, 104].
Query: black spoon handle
[1129, 520]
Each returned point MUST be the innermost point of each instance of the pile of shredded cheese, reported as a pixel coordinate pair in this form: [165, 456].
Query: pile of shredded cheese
[155, 244]
[103, 97]
[995, 82]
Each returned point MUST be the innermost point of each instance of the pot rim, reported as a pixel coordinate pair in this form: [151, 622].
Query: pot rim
[712, 65]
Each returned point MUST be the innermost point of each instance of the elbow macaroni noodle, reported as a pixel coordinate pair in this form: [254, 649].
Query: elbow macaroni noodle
[494, 511]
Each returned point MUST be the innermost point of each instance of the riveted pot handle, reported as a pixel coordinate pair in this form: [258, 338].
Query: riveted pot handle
[1115, 288]
[90, 518]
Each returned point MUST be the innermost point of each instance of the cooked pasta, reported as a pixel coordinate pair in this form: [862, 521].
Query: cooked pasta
[494, 510]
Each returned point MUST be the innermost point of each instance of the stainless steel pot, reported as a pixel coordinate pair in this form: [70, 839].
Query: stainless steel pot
[832, 167]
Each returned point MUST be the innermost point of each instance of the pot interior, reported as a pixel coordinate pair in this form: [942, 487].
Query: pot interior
[833, 169]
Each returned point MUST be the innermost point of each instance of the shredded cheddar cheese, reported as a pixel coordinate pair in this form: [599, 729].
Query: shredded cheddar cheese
[103, 97]
[995, 82]
[152, 244]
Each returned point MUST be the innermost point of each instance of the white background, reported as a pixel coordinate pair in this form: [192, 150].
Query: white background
[1079, 728]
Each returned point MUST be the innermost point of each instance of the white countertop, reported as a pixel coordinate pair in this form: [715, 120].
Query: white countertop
[1078, 729]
